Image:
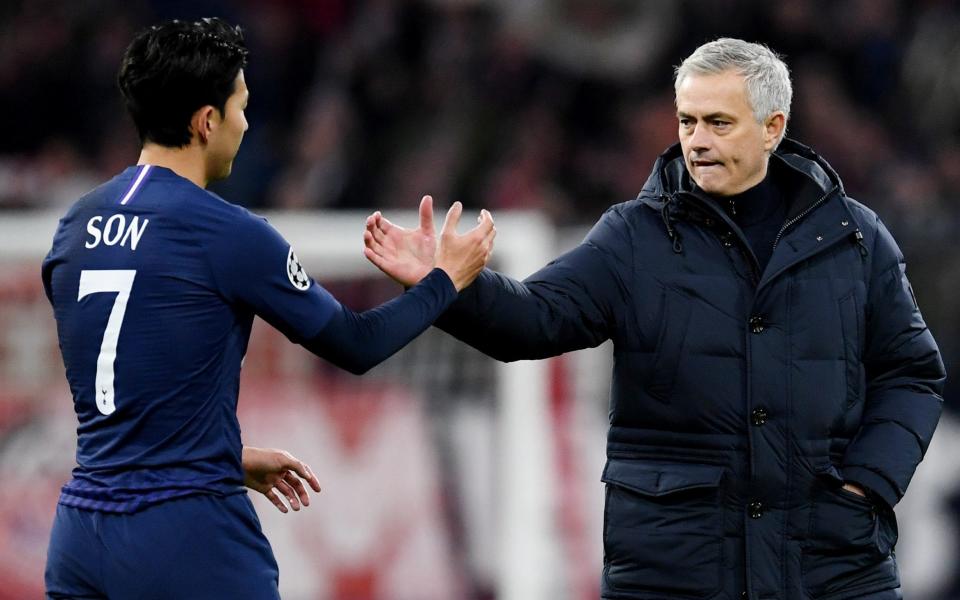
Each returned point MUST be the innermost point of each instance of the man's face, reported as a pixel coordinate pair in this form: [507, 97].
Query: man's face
[725, 149]
[224, 140]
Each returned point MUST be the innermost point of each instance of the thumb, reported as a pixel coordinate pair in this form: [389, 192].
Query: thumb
[426, 215]
[453, 218]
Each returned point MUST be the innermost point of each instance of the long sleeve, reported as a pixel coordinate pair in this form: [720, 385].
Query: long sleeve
[905, 377]
[359, 341]
[574, 302]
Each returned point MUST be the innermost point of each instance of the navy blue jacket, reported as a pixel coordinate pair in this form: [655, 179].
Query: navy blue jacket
[741, 400]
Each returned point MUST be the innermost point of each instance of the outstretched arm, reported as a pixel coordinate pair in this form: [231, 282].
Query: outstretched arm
[359, 341]
[574, 302]
[253, 267]
[269, 471]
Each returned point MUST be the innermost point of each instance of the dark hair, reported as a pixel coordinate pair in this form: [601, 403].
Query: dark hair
[172, 69]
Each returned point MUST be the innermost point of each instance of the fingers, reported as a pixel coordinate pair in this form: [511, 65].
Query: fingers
[488, 240]
[284, 478]
[375, 246]
[485, 223]
[276, 501]
[290, 485]
[426, 214]
[378, 260]
[380, 249]
[453, 218]
[489, 232]
[313, 481]
[492, 233]
[296, 484]
[303, 470]
[368, 240]
[376, 230]
[284, 486]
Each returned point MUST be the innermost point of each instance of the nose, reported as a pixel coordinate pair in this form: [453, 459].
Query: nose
[701, 139]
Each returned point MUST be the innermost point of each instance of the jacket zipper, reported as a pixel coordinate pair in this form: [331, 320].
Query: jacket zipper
[744, 246]
[806, 211]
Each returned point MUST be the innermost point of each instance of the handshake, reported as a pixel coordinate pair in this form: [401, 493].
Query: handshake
[408, 255]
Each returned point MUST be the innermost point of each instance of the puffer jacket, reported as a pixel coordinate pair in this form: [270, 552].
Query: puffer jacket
[741, 401]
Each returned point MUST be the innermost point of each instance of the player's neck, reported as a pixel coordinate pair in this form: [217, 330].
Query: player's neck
[187, 162]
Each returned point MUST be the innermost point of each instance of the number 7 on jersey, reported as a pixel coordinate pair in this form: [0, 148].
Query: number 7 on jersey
[119, 281]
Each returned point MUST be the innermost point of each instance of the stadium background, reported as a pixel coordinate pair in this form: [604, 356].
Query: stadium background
[554, 108]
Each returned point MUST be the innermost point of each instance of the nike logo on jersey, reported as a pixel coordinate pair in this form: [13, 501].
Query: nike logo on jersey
[115, 231]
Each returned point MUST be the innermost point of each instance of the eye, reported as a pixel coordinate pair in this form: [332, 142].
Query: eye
[720, 123]
[685, 122]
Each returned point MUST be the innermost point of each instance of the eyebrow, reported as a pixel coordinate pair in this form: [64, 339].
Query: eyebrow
[710, 117]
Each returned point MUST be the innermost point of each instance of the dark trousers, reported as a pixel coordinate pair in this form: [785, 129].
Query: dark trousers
[204, 547]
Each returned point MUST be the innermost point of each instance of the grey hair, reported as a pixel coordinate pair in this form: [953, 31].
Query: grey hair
[766, 75]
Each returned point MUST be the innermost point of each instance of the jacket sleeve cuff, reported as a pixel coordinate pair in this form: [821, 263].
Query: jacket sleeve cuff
[873, 483]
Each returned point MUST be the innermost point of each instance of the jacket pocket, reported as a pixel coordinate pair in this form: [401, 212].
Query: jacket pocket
[674, 321]
[850, 321]
[662, 528]
[849, 541]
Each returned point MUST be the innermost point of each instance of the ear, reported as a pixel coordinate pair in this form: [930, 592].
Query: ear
[773, 129]
[204, 122]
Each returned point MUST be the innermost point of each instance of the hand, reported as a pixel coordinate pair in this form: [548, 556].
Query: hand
[267, 471]
[855, 488]
[406, 255]
[464, 256]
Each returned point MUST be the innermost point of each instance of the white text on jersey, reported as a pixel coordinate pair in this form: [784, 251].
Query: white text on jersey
[116, 230]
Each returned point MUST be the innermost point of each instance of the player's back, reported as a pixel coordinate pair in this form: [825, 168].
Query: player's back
[151, 345]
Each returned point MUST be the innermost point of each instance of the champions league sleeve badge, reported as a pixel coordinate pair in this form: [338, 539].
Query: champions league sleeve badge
[295, 273]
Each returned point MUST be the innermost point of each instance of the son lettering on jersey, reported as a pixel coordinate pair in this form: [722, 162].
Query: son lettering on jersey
[115, 230]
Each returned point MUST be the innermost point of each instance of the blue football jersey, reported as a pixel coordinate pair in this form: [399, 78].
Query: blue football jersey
[154, 283]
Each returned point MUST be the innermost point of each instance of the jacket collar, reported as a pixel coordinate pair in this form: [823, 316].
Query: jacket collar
[669, 175]
[815, 192]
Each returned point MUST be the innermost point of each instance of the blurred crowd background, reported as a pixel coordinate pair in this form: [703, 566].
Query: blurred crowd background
[558, 106]
[555, 106]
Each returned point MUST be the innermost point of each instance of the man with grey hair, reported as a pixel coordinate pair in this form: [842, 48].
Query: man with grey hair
[774, 384]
